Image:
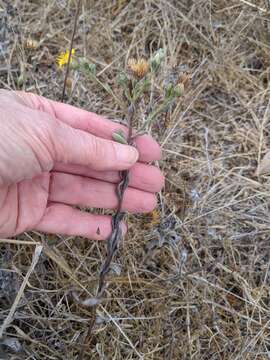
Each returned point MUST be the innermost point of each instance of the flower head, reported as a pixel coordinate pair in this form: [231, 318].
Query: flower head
[62, 59]
[138, 67]
[31, 44]
[152, 219]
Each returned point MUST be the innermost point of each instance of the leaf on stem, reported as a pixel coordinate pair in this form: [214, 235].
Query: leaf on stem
[157, 59]
[119, 136]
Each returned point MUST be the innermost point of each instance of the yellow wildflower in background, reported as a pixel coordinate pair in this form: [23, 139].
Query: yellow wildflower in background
[62, 59]
[138, 67]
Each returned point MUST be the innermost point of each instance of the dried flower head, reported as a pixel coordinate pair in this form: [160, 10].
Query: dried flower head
[62, 59]
[31, 44]
[152, 219]
[184, 79]
[139, 67]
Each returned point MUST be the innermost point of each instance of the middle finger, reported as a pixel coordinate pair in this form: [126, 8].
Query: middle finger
[78, 190]
[141, 176]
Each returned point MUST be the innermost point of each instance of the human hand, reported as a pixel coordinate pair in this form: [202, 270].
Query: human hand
[54, 156]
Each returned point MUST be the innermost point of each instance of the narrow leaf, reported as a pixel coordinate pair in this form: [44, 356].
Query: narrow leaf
[119, 136]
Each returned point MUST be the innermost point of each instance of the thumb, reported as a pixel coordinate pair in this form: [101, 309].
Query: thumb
[79, 147]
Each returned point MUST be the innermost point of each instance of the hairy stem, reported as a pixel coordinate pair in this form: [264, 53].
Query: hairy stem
[116, 234]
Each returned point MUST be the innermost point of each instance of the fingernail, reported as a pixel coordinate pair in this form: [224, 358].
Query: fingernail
[126, 154]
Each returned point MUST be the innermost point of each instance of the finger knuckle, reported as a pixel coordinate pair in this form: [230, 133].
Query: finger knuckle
[99, 150]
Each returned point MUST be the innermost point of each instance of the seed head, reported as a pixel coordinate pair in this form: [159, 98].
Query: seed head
[138, 67]
[31, 44]
[153, 219]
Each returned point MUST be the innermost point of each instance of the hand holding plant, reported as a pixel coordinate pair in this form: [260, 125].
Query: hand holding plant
[55, 156]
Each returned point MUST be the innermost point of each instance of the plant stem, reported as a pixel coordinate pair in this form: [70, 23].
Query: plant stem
[70, 49]
[116, 234]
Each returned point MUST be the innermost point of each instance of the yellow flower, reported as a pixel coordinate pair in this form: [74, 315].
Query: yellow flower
[62, 59]
[138, 67]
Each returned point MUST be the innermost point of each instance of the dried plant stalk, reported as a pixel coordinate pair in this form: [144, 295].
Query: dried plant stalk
[116, 234]
[70, 48]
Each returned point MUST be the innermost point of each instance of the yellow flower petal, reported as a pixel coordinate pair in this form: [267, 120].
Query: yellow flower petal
[62, 59]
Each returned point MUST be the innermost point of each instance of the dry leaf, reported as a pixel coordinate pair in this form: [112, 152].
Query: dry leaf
[264, 166]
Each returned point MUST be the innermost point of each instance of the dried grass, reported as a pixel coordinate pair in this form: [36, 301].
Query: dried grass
[195, 286]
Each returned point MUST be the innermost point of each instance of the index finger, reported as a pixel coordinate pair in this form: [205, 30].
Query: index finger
[97, 125]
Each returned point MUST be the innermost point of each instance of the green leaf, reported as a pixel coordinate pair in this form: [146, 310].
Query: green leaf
[119, 136]
[169, 90]
[88, 66]
[157, 59]
[122, 79]
[107, 88]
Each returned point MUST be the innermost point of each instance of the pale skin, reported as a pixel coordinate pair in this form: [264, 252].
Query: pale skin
[54, 156]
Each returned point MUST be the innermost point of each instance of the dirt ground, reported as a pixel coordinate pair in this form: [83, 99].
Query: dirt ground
[191, 280]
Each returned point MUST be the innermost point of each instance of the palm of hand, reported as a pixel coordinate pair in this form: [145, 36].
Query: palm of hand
[50, 161]
[23, 204]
